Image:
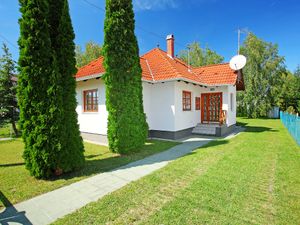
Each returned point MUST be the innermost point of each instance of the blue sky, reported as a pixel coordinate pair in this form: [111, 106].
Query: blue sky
[210, 22]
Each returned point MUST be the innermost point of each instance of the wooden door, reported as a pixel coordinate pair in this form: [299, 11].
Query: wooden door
[211, 107]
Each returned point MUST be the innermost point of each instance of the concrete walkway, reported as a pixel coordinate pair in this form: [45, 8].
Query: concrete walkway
[6, 139]
[50, 206]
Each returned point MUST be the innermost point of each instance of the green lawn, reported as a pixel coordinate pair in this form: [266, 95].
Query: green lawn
[5, 131]
[16, 184]
[253, 178]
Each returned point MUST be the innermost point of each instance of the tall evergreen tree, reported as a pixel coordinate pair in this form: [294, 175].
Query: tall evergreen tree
[8, 88]
[62, 41]
[127, 126]
[39, 95]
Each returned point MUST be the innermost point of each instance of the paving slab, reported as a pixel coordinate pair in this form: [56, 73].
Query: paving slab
[6, 139]
[48, 207]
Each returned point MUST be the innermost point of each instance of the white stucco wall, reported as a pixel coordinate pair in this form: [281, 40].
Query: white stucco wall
[188, 119]
[92, 122]
[158, 102]
[231, 113]
[162, 105]
[159, 105]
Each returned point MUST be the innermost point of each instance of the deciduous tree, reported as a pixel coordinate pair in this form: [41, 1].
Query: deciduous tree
[92, 51]
[8, 100]
[262, 77]
[197, 56]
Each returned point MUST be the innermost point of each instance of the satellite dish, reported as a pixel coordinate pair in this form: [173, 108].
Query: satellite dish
[237, 62]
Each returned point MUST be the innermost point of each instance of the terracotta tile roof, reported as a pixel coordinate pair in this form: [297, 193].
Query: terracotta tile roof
[216, 74]
[158, 66]
[147, 73]
[94, 67]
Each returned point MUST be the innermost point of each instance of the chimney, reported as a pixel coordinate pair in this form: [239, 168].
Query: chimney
[170, 45]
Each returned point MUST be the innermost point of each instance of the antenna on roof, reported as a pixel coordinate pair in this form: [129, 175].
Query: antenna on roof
[157, 45]
[188, 47]
[239, 37]
[238, 61]
[241, 31]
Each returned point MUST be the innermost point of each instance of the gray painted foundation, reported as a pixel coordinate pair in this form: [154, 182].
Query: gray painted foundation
[172, 135]
[224, 130]
[98, 138]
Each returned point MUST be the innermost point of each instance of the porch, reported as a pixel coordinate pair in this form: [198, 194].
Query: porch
[213, 116]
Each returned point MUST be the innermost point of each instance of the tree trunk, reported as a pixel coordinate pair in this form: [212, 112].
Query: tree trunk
[14, 128]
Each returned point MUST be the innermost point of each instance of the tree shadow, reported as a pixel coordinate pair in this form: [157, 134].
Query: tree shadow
[94, 165]
[210, 144]
[12, 164]
[255, 129]
[117, 162]
[215, 143]
[93, 156]
[11, 214]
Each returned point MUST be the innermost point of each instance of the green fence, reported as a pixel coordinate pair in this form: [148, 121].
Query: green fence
[292, 123]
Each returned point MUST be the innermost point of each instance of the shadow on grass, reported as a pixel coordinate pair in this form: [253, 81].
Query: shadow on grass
[94, 165]
[210, 144]
[11, 214]
[12, 164]
[255, 129]
[117, 162]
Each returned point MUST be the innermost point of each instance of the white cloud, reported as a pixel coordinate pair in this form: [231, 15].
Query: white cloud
[154, 4]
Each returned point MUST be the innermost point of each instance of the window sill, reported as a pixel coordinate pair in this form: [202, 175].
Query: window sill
[90, 112]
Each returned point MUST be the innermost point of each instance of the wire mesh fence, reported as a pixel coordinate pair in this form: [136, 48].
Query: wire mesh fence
[292, 123]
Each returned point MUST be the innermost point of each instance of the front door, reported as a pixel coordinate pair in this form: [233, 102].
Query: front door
[211, 107]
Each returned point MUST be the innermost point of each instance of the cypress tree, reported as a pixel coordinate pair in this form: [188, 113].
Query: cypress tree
[39, 95]
[127, 126]
[62, 40]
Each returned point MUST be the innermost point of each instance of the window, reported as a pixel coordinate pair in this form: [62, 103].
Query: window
[90, 98]
[186, 101]
[231, 102]
[197, 103]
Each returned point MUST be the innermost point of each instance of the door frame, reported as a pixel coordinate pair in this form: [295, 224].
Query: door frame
[207, 105]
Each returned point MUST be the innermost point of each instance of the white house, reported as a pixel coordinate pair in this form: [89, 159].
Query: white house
[178, 99]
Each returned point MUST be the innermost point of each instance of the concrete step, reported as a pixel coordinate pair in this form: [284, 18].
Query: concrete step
[208, 125]
[209, 130]
[204, 132]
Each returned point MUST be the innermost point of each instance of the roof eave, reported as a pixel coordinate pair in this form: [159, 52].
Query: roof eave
[89, 77]
[93, 76]
[185, 80]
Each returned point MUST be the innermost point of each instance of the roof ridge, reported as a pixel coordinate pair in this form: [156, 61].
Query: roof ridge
[153, 49]
[188, 67]
[91, 62]
[182, 63]
[174, 69]
[211, 65]
[150, 70]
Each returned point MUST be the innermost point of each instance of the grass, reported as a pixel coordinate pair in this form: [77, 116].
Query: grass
[17, 185]
[250, 179]
[5, 131]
